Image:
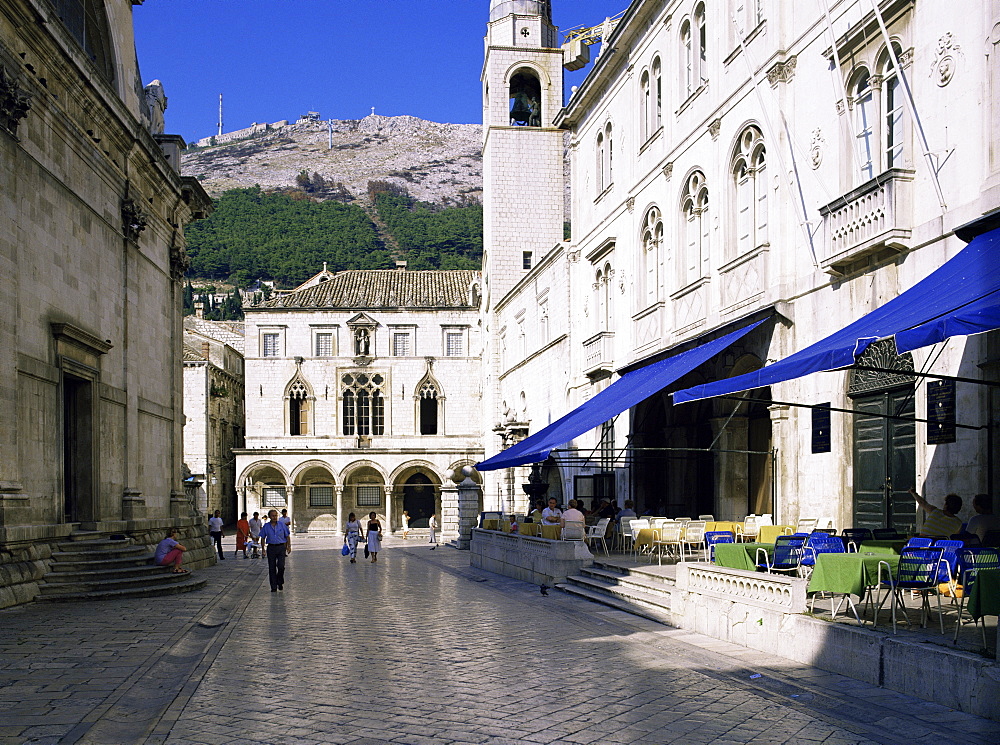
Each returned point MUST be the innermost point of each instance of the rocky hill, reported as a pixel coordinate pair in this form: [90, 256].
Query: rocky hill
[437, 163]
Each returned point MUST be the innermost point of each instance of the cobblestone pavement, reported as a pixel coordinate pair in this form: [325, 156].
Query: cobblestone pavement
[418, 649]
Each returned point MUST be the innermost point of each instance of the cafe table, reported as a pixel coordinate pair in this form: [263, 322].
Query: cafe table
[722, 525]
[848, 574]
[984, 598]
[552, 532]
[739, 555]
[492, 524]
[768, 533]
[881, 547]
[529, 528]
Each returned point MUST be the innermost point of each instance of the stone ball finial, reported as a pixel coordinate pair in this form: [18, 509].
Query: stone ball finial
[467, 471]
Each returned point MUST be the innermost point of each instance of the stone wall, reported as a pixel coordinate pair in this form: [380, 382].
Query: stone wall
[537, 560]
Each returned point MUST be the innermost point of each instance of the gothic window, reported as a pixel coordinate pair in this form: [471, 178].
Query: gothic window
[750, 184]
[748, 14]
[645, 107]
[602, 288]
[892, 111]
[864, 123]
[87, 22]
[299, 408]
[525, 99]
[428, 402]
[701, 59]
[694, 208]
[600, 163]
[609, 152]
[657, 94]
[363, 403]
[652, 238]
[687, 59]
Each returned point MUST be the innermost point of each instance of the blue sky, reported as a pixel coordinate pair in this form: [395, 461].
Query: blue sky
[276, 59]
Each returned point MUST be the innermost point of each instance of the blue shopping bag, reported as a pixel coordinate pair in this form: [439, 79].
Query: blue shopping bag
[345, 550]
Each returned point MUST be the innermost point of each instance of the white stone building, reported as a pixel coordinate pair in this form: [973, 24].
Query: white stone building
[732, 162]
[92, 251]
[363, 392]
[214, 421]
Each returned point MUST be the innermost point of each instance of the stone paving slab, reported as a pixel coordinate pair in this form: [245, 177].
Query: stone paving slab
[420, 649]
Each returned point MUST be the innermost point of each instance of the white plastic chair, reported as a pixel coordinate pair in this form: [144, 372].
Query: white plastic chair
[574, 530]
[806, 524]
[750, 530]
[694, 535]
[597, 533]
[625, 533]
[669, 536]
[635, 526]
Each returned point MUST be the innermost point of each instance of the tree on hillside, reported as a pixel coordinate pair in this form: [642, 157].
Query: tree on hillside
[433, 237]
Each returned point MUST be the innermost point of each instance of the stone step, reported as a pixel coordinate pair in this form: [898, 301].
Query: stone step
[650, 584]
[634, 602]
[85, 535]
[112, 583]
[99, 552]
[88, 564]
[103, 573]
[187, 584]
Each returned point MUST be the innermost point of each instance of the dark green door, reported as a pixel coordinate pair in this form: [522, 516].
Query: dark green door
[884, 461]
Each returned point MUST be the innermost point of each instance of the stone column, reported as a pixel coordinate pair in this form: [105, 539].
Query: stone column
[469, 500]
[134, 504]
[339, 491]
[784, 482]
[388, 509]
[732, 469]
[449, 512]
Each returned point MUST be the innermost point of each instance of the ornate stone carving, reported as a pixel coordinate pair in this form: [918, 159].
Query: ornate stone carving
[630, 203]
[894, 369]
[945, 60]
[906, 57]
[816, 147]
[179, 262]
[668, 170]
[14, 102]
[782, 72]
[133, 219]
[840, 106]
[714, 128]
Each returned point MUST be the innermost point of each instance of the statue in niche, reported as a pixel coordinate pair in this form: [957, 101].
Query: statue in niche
[534, 113]
[155, 103]
[362, 342]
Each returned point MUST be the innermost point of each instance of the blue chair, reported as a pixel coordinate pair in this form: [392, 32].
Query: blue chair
[818, 543]
[951, 559]
[970, 562]
[919, 543]
[713, 537]
[788, 550]
[918, 570]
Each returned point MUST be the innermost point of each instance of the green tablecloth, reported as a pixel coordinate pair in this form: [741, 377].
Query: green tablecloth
[984, 599]
[882, 547]
[848, 573]
[739, 555]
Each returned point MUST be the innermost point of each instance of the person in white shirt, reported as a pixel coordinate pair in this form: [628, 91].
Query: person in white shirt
[985, 520]
[572, 514]
[552, 515]
[215, 530]
[285, 519]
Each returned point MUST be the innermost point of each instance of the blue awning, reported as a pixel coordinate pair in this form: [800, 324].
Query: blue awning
[624, 393]
[957, 295]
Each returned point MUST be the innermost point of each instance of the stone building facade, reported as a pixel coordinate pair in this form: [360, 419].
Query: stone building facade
[92, 253]
[214, 422]
[363, 393]
[734, 162]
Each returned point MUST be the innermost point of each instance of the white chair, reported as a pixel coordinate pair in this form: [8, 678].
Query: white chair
[766, 519]
[625, 533]
[669, 538]
[597, 533]
[635, 526]
[574, 530]
[750, 530]
[709, 518]
[806, 524]
[694, 535]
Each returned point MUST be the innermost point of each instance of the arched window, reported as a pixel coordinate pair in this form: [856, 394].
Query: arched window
[687, 59]
[701, 59]
[600, 162]
[525, 99]
[299, 408]
[696, 228]
[645, 108]
[363, 404]
[87, 22]
[609, 157]
[652, 238]
[864, 124]
[892, 111]
[602, 290]
[428, 412]
[750, 184]
[657, 84]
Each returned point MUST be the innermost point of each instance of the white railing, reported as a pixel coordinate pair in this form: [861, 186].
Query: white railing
[598, 353]
[786, 594]
[875, 216]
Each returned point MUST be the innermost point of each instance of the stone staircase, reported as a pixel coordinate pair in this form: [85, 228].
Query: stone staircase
[644, 591]
[91, 566]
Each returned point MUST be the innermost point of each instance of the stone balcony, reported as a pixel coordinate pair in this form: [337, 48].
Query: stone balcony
[873, 219]
[598, 355]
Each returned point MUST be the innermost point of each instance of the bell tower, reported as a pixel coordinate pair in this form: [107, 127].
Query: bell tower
[522, 150]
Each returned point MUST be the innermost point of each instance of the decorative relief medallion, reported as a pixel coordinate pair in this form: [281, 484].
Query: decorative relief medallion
[630, 203]
[14, 102]
[133, 219]
[816, 147]
[714, 128]
[945, 60]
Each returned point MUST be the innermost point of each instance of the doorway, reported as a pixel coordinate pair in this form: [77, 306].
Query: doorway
[419, 500]
[78, 449]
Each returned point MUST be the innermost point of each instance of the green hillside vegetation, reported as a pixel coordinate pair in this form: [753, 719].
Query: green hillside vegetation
[287, 236]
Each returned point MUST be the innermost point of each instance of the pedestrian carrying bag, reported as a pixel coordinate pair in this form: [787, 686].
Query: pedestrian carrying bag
[345, 550]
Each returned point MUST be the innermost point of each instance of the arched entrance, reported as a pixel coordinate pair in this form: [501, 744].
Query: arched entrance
[419, 499]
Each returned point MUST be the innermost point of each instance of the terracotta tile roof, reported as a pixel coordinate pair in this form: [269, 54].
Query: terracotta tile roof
[193, 355]
[383, 288]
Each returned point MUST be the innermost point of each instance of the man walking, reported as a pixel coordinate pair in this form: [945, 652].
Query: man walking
[278, 538]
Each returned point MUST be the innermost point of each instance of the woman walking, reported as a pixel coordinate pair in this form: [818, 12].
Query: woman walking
[374, 536]
[406, 525]
[242, 534]
[352, 534]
